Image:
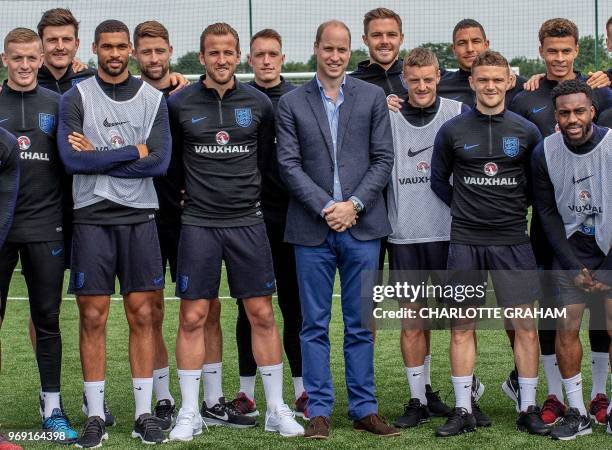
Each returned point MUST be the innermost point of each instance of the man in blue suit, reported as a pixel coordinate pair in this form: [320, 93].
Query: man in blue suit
[335, 154]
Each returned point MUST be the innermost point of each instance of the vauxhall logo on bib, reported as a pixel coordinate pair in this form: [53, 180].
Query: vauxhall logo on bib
[24, 142]
[491, 170]
[222, 138]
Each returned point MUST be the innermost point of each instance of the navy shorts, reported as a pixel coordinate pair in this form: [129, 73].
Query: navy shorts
[168, 244]
[247, 256]
[416, 263]
[514, 271]
[131, 252]
[588, 253]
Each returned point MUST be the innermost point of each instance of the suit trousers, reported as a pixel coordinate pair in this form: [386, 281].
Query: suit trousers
[316, 270]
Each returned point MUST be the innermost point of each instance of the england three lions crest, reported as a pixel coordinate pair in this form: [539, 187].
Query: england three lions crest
[511, 146]
[46, 122]
[244, 117]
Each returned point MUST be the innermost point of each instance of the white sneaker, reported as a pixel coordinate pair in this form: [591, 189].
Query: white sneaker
[188, 424]
[282, 421]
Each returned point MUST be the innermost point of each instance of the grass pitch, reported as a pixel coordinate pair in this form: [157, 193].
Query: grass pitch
[19, 385]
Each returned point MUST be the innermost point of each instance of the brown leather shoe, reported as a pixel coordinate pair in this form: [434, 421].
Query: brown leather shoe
[318, 428]
[376, 425]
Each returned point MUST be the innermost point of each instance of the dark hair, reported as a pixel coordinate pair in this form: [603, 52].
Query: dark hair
[321, 28]
[57, 17]
[380, 13]
[267, 33]
[569, 87]
[557, 28]
[219, 29]
[111, 26]
[468, 23]
[490, 58]
[152, 29]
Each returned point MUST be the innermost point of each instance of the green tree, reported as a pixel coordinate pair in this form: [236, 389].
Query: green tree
[243, 67]
[311, 64]
[356, 57]
[528, 67]
[189, 63]
[585, 62]
[133, 67]
[296, 66]
[443, 53]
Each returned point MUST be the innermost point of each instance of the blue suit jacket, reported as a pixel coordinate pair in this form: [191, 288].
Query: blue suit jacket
[305, 157]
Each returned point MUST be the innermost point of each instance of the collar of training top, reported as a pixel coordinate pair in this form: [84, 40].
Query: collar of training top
[7, 90]
[373, 68]
[229, 91]
[494, 117]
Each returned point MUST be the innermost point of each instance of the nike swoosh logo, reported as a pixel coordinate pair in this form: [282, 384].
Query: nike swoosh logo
[417, 374]
[537, 110]
[3, 120]
[56, 252]
[576, 181]
[197, 119]
[267, 374]
[162, 376]
[223, 417]
[467, 386]
[108, 124]
[158, 280]
[211, 372]
[138, 388]
[469, 147]
[411, 153]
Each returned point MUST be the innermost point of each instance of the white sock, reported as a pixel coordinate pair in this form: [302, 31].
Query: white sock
[573, 390]
[298, 386]
[143, 392]
[463, 392]
[427, 371]
[94, 393]
[189, 382]
[600, 363]
[416, 381]
[247, 385]
[553, 376]
[212, 376]
[161, 384]
[527, 387]
[51, 401]
[272, 378]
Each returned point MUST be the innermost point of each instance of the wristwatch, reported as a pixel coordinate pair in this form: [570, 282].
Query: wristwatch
[356, 206]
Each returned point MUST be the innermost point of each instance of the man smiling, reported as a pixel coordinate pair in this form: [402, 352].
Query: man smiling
[559, 49]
